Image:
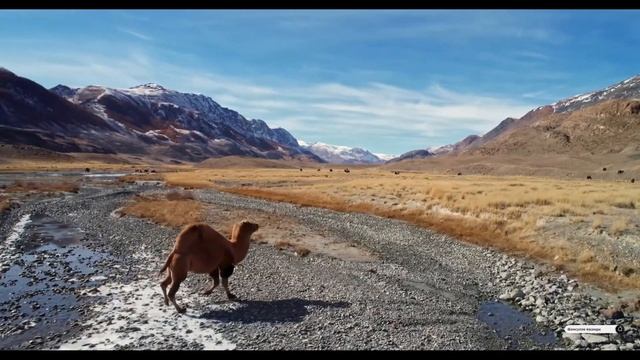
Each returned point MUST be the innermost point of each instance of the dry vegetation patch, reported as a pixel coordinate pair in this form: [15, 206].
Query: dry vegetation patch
[506, 212]
[175, 209]
[42, 186]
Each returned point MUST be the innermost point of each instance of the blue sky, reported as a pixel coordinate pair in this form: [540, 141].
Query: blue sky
[389, 81]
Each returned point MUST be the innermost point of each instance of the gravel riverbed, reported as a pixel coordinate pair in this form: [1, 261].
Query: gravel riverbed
[96, 287]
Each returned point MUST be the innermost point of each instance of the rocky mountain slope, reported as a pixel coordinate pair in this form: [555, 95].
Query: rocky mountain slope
[602, 122]
[146, 120]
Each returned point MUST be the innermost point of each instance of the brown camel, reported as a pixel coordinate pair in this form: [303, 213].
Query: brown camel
[202, 250]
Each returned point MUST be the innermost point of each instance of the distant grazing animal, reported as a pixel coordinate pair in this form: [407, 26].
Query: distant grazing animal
[397, 172]
[202, 250]
[318, 169]
[300, 169]
[153, 171]
[633, 180]
[604, 169]
[347, 170]
[620, 171]
[87, 170]
[146, 170]
[459, 173]
[330, 170]
[589, 177]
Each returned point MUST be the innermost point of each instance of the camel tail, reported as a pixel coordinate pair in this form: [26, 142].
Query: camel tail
[166, 264]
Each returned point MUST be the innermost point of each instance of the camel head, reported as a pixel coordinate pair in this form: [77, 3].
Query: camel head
[244, 228]
[240, 238]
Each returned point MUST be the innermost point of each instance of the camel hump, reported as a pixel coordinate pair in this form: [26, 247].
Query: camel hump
[192, 229]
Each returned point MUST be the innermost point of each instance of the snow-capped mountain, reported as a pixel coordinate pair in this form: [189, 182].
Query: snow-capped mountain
[144, 120]
[627, 89]
[337, 154]
[189, 110]
[438, 150]
[385, 157]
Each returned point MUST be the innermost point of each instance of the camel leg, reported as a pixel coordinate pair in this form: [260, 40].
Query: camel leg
[225, 274]
[179, 268]
[216, 281]
[163, 284]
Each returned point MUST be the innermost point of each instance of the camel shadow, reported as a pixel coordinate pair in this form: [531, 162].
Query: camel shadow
[276, 311]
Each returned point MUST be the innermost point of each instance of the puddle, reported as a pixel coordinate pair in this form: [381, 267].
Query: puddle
[47, 268]
[515, 325]
[150, 182]
[42, 229]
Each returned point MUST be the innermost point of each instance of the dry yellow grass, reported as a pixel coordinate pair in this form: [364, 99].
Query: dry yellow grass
[598, 223]
[175, 210]
[619, 226]
[42, 186]
[80, 164]
[505, 212]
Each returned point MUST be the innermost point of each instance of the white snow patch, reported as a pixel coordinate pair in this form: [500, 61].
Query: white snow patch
[17, 230]
[181, 131]
[385, 157]
[7, 247]
[140, 305]
[144, 310]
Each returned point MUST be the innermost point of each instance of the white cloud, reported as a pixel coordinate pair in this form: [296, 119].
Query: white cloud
[136, 34]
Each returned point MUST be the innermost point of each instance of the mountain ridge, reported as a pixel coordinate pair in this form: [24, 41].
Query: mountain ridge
[146, 119]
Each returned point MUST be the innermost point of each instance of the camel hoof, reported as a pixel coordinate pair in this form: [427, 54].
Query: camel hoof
[207, 292]
[166, 302]
[232, 297]
[182, 310]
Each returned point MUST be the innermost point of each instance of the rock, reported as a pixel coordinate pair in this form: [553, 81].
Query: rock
[541, 319]
[595, 339]
[571, 336]
[609, 347]
[612, 313]
[540, 302]
[511, 294]
[627, 346]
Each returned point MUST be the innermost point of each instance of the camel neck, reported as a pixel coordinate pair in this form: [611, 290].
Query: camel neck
[240, 246]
